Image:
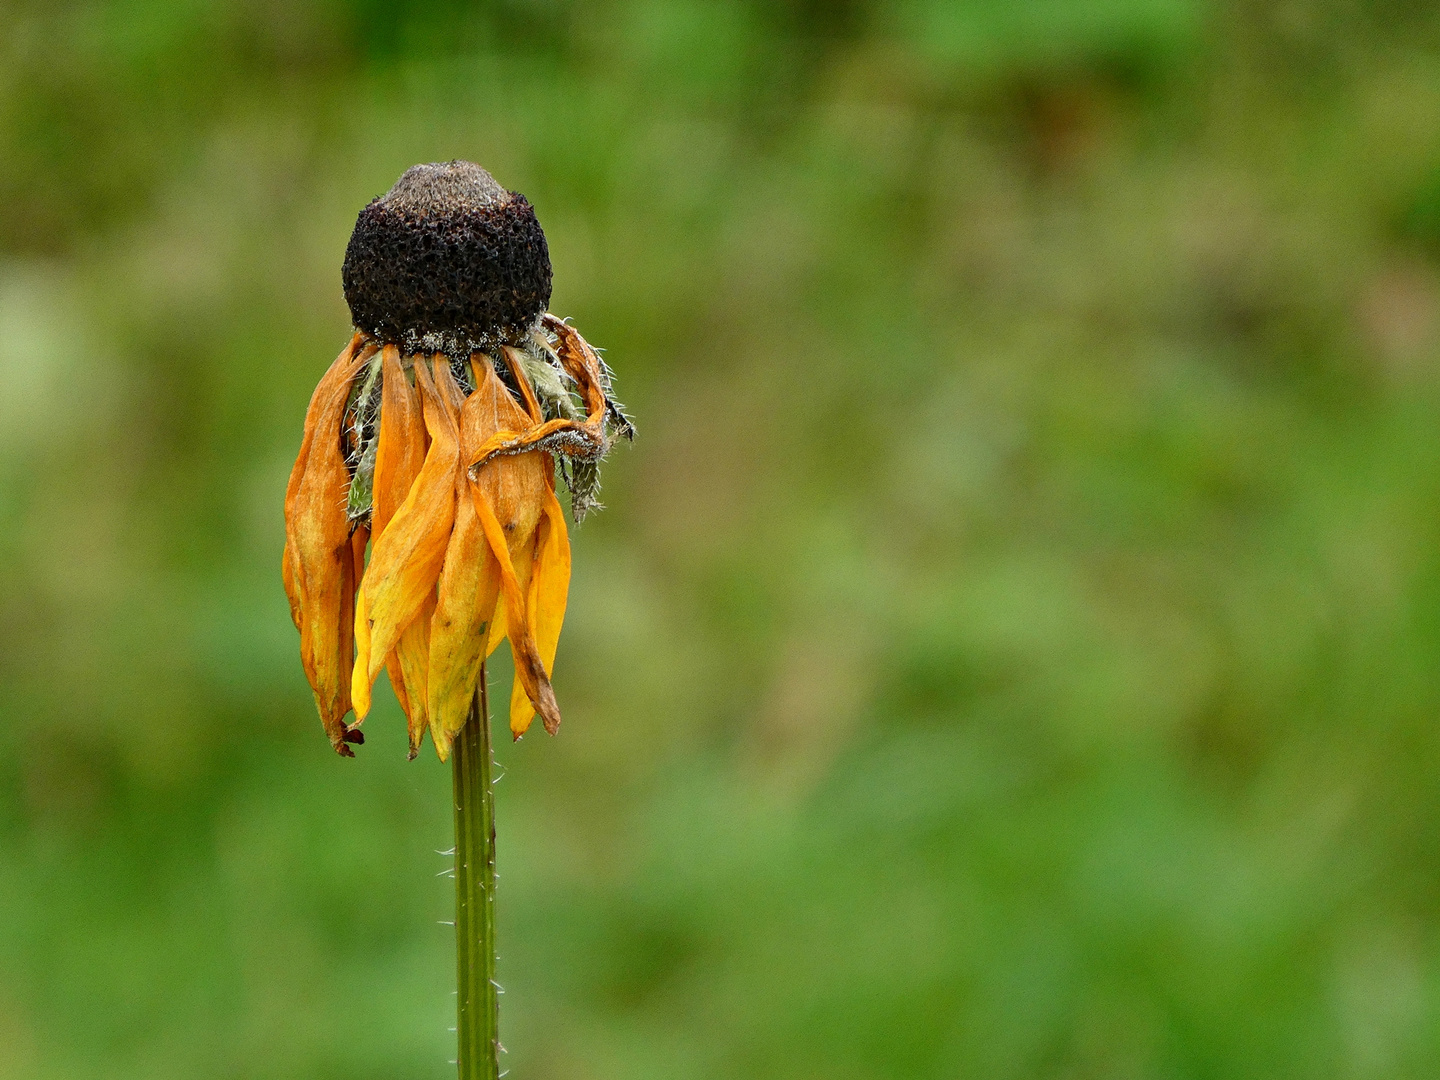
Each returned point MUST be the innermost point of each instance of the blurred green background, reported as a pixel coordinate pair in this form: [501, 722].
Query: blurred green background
[1012, 649]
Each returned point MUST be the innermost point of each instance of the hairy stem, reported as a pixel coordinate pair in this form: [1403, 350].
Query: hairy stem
[477, 1007]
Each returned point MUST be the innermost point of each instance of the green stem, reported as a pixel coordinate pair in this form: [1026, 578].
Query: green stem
[477, 1007]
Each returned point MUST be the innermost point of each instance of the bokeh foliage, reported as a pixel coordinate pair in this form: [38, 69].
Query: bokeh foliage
[1013, 646]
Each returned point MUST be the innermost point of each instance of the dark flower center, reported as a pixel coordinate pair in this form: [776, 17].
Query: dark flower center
[447, 261]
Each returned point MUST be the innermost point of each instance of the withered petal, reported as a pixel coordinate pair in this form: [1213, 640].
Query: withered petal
[322, 569]
[469, 585]
[549, 588]
[408, 555]
[401, 452]
[413, 652]
[528, 667]
[288, 572]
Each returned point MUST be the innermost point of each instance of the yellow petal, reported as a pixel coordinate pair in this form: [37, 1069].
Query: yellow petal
[509, 495]
[528, 668]
[499, 627]
[413, 653]
[398, 461]
[359, 684]
[358, 540]
[469, 584]
[408, 555]
[549, 588]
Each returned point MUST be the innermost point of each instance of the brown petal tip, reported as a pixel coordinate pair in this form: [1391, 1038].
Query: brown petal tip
[354, 735]
[547, 706]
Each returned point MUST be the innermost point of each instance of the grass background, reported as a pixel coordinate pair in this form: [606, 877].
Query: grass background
[1013, 646]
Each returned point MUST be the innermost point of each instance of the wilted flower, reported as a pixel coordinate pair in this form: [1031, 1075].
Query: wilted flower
[434, 439]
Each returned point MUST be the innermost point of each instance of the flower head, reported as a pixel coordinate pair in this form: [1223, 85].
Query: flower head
[435, 439]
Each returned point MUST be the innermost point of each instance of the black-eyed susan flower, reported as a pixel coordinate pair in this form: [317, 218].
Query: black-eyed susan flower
[434, 440]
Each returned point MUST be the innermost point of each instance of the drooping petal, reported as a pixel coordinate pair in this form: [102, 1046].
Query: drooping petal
[514, 491]
[345, 648]
[401, 452]
[359, 685]
[340, 372]
[545, 600]
[321, 563]
[509, 494]
[469, 585]
[499, 625]
[408, 555]
[566, 436]
[358, 539]
[413, 653]
[398, 460]
[464, 629]
[529, 670]
[523, 560]
[288, 572]
[514, 360]
[584, 366]
[397, 680]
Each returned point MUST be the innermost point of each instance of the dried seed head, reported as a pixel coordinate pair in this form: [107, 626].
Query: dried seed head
[447, 261]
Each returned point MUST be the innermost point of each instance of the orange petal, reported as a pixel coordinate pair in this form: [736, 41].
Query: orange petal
[508, 495]
[398, 461]
[339, 371]
[288, 572]
[549, 587]
[509, 484]
[317, 533]
[401, 453]
[410, 552]
[342, 370]
[514, 485]
[345, 654]
[358, 539]
[517, 372]
[468, 619]
[581, 361]
[397, 680]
